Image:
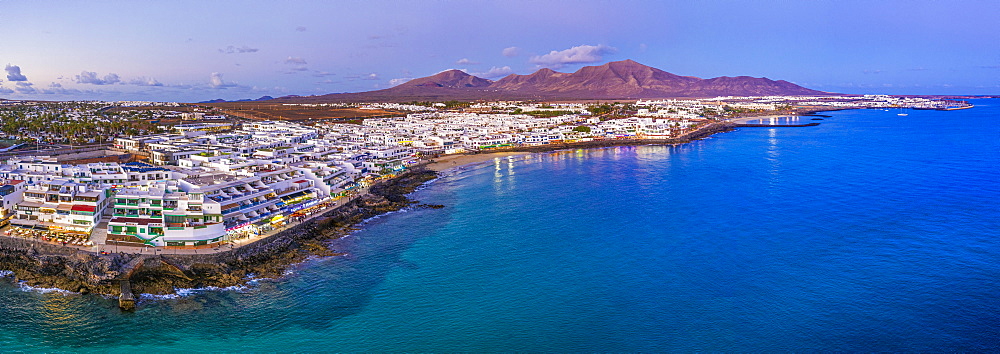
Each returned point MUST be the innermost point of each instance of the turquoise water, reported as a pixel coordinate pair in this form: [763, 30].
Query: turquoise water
[869, 232]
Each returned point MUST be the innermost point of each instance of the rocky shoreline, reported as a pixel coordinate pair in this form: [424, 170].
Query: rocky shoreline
[50, 266]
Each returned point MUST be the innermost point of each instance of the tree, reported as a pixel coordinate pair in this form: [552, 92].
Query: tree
[582, 129]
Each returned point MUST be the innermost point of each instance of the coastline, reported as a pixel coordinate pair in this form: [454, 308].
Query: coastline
[41, 265]
[451, 161]
[50, 266]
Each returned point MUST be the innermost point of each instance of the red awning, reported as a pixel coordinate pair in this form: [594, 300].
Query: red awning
[87, 208]
[300, 181]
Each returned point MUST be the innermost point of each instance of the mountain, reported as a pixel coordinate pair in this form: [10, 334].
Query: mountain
[621, 79]
[533, 81]
[449, 79]
[624, 79]
[262, 98]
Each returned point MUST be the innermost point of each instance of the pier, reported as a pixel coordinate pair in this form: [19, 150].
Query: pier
[126, 301]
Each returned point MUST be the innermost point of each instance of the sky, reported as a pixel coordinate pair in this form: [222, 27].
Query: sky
[190, 51]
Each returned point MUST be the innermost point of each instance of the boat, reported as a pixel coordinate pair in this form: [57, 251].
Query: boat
[902, 113]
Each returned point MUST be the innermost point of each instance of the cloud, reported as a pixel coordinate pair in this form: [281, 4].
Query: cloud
[511, 52]
[90, 77]
[237, 50]
[494, 72]
[24, 87]
[372, 76]
[56, 88]
[144, 81]
[399, 81]
[990, 66]
[466, 61]
[4, 90]
[322, 74]
[215, 81]
[295, 60]
[643, 47]
[300, 29]
[577, 55]
[14, 73]
[300, 68]
[867, 71]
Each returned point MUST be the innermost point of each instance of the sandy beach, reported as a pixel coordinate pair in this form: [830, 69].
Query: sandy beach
[450, 161]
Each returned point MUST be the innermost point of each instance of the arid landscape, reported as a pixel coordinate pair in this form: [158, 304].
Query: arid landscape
[276, 110]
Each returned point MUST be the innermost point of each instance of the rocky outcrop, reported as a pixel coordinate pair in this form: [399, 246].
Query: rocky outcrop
[50, 266]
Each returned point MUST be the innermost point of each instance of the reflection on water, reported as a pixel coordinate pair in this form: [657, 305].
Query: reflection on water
[776, 120]
[773, 156]
[503, 174]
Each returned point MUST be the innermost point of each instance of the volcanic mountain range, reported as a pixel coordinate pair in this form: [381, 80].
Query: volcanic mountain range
[625, 79]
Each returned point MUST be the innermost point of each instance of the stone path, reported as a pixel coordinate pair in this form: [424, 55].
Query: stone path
[100, 233]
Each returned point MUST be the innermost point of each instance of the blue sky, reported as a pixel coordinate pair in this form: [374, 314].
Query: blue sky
[200, 50]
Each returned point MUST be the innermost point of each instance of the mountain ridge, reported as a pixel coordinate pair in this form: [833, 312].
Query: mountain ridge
[624, 79]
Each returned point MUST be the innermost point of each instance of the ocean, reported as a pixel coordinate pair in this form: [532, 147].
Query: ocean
[870, 232]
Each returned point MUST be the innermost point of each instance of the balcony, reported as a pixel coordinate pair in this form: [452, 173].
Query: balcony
[247, 206]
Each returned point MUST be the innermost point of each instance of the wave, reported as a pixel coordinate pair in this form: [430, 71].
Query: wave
[192, 291]
[424, 185]
[186, 292]
[252, 280]
[6, 273]
[156, 297]
[376, 217]
[23, 285]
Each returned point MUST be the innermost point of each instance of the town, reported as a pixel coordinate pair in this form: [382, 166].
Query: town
[161, 177]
